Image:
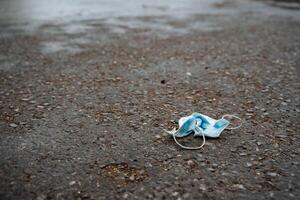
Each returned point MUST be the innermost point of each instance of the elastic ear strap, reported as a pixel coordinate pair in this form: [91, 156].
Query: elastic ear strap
[189, 148]
[236, 117]
[170, 132]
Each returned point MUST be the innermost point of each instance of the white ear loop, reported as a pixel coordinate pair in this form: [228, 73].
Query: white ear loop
[236, 117]
[173, 133]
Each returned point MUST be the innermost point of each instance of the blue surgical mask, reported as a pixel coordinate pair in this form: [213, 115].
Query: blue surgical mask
[201, 125]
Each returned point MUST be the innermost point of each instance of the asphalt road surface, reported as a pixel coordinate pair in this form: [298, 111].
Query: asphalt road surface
[87, 87]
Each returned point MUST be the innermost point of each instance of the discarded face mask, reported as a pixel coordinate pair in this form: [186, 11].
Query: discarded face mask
[201, 125]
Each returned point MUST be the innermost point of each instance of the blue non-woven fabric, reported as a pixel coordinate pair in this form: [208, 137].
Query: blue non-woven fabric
[200, 125]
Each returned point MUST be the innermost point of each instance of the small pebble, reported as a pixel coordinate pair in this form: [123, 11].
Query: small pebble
[243, 154]
[259, 143]
[273, 174]
[13, 125]
[72, 183]
[239, 186]
[249, 164]
[174, 194]
[157, 136]
[211, 169]
[191, 163]
[215, 165]
[25, 99]
[132, 177]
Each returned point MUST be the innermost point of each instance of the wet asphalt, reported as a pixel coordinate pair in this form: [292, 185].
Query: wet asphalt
[87, 87]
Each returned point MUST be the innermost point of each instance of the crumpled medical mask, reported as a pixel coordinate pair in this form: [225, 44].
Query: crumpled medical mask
[201, 125]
